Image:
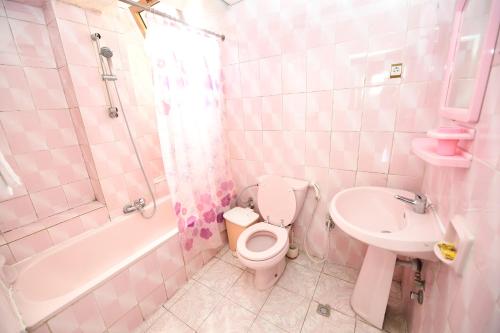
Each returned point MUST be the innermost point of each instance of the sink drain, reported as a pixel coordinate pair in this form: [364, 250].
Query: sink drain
[323, 310]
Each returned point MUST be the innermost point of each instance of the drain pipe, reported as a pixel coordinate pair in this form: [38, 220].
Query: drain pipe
[415, 265]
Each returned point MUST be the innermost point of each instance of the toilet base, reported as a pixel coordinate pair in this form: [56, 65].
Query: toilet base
[266, 278]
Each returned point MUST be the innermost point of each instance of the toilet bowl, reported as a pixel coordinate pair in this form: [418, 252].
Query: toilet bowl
[263, 245]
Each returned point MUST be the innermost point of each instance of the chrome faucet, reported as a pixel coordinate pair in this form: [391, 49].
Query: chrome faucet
[419, 203]
[138, 204]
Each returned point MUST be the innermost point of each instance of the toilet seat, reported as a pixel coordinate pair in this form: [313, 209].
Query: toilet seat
[279, 234]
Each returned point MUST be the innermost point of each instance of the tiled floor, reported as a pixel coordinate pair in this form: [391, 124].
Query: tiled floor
[221, 298]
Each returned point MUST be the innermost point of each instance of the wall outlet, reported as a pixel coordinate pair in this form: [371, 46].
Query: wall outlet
[396, 70]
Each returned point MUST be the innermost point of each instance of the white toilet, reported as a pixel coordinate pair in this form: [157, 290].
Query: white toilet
[263, 245]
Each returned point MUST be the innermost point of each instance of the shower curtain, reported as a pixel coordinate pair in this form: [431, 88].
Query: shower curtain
[188, 101]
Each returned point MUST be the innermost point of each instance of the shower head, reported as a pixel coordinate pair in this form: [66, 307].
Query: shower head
[106, 52]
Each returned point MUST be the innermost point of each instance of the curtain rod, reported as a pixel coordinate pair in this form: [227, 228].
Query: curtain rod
[157, 12]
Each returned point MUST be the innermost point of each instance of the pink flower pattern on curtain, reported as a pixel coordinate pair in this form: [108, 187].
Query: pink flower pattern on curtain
[188, 100]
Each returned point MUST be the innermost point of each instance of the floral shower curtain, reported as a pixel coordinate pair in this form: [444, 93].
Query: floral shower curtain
[188, 101]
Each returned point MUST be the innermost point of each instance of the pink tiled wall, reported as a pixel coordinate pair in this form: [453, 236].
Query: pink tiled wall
[37, 134]
[105, 142]
[308, 95]
[467, 303]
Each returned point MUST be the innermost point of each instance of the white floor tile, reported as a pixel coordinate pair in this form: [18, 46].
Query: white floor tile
[195, 305]
[342, 272]
[244, 293]
[299, 279]
[222, 251]
[169, 323]
[261, 325]
[335, 292]
[227, 317]
[336, 323]
[230, 259]
[285, 309]
[178, 294]
[220, 276]
[303, 260]
[150, 320]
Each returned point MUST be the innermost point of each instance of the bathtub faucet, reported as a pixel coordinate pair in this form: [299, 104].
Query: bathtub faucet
[136, 205]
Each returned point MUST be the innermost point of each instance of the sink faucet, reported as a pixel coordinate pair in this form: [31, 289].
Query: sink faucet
[136, 205]
[419, 203]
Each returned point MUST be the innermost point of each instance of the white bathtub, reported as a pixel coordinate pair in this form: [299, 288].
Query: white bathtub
[51, 280]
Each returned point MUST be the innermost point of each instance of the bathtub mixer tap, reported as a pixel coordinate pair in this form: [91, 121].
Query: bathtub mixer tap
[138, 204]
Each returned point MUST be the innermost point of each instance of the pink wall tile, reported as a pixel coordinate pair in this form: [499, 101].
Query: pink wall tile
[319, 111]
[8, 51]
[175, 282]
[49, 202]
[115, 298]
[347, 109]
[24, 12]
[16, 212]
[83, 316]
[320, 68]
[253, 146]
[380, 108]
[23, 131]
[169, 258]
[418, 106]
[69, 164]
[350, 64]
[88, 86]
[128, 323]
[33, 44]
[234, 114]
[95, 218]
[115, 194]
[344, 150]
[403, 161]
[236, 147]
[272, 113]
[270, 76]
[252, 113]
[79, 193]
[294, 72]
[37, 170]
[67, 12]
[145, 276]
[78, 47]
[370, 179]
[317, 148]
[66, 230]
[231, 80]
[375, 151]
[14, 90]
[250, 79]
[30, 245]
[151, 303]
[294, 112]
[408, 183]
[46, 88]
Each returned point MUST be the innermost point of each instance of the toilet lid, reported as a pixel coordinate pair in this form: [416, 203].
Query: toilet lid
[276, 201]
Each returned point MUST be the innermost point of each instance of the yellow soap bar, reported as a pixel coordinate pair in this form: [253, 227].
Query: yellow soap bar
[448, 250]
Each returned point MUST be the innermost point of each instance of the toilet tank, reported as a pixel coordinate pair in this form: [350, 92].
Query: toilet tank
[299, 187]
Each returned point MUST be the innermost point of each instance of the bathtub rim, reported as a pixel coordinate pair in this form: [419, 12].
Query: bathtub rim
[41, 311]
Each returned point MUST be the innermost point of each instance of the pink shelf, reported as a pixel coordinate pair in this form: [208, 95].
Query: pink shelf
[451, 133]
[425, 148]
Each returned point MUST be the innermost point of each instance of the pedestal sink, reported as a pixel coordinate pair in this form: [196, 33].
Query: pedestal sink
[389, 227]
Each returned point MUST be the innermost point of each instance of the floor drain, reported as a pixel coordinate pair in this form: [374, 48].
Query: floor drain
[386, 231]
[324, 310]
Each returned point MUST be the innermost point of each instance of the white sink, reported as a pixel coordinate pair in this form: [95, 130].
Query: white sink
[390, 227]
[373, 216]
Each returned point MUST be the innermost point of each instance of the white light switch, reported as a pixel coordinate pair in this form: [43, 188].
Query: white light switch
[396, 70]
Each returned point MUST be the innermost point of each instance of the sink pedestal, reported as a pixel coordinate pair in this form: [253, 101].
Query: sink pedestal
[371, 293]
